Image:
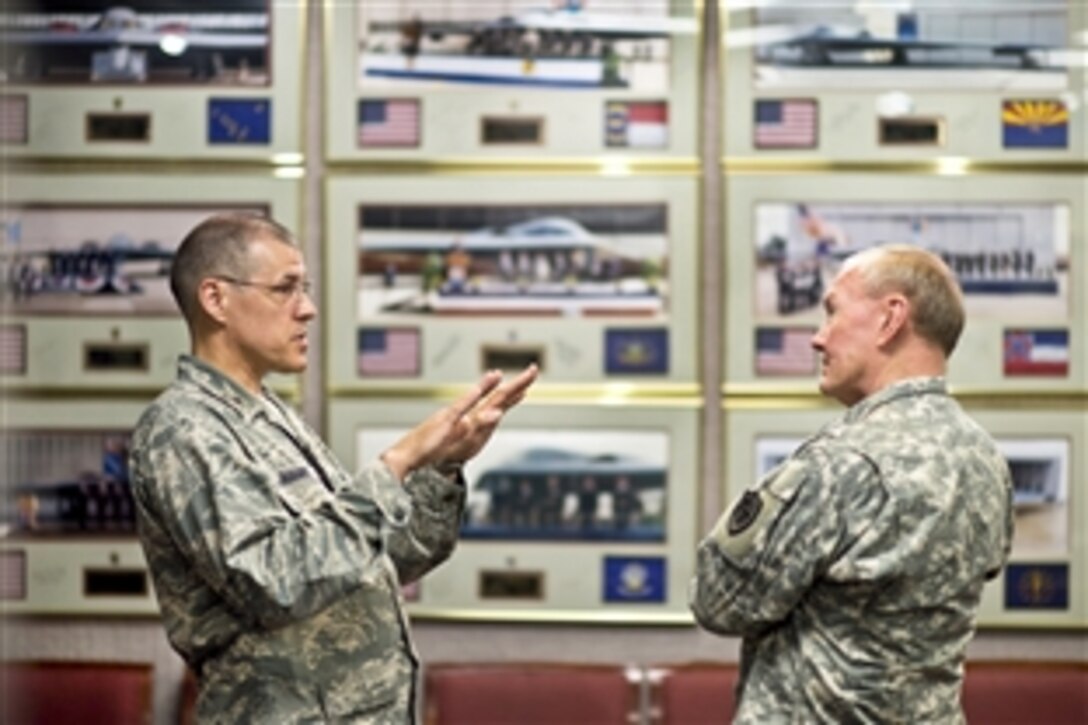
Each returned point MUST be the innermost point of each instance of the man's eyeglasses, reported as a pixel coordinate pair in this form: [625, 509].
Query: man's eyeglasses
[284, 292]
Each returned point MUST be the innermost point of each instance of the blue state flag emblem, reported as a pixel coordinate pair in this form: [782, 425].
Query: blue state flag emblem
[239, 121]
[634, 579]
[1037, 586]
[1035, 124]
[636, 351]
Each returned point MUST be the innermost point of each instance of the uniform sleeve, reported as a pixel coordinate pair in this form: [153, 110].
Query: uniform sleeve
[421, 517]
[437, 505]
[778, 538]
[271, 559]
[1009, 526]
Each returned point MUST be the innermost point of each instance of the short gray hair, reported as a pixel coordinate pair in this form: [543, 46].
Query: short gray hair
[936, 301]
[219, 245]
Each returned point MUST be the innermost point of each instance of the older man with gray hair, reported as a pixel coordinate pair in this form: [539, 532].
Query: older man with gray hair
[854, 570]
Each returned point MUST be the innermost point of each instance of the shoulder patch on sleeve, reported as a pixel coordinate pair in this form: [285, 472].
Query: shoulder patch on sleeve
[737, 532]
[745, 513]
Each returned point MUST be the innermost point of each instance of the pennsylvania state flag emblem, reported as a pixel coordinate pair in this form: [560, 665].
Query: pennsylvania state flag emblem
[1035, 124]
[635, 351]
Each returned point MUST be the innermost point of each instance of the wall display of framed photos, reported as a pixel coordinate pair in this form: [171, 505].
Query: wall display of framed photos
[575, 511]
[593, 279]
[416, 80]
[986, 79]
[1043, 585]
[67, 519]
[85, 272]
[1016, 243]
[153, 79]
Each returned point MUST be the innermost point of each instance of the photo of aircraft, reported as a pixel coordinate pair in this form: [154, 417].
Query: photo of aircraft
[552, 493]
[569, 47]
[542, 264]
[57, 42]
[114, 268]
[599, 484]
[1011, 260]
[974, 44]
[828, 46]
[85, 260]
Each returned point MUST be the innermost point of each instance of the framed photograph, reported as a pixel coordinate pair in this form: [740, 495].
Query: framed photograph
[67, 519]
[85, 261]
[1011, 259]
[592, 287]
[1041, 496]
[471, 80]
[575, 512]
[771, 451]
[884, 72]
[152, 79]
[67, 482]
[1013, 242]
[549, 485]
[1043, 585]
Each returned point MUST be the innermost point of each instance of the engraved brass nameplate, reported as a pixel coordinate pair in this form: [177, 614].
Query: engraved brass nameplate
[114, 357]
[115, 583]
[119, 127]
[512, 585]
[511, 358]
[519, 131]
[911, 132]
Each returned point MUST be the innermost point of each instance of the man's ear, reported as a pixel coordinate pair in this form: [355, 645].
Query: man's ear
[212, 300]
[895, 317]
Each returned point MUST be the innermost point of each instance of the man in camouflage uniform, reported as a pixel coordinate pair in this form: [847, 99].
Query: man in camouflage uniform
[854, 570]
[278, 572]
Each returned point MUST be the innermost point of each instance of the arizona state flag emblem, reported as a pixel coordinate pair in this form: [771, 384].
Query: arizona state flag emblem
[1035, 124]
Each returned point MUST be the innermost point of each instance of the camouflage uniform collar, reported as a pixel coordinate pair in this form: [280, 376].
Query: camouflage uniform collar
[902, 389]
[217, 384]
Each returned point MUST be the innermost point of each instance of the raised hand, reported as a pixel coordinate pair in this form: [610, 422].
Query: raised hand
[459, 431]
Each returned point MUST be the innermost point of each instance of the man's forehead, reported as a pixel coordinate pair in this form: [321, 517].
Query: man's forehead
[276, 257]
[844, 285]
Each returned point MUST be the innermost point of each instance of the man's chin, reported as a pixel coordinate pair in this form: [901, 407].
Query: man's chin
[831, 391]
[291, 367]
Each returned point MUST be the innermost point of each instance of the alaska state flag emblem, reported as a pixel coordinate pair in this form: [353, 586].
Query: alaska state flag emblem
[1035, 124]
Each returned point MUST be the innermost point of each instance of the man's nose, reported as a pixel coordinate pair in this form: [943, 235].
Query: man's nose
[307, 309]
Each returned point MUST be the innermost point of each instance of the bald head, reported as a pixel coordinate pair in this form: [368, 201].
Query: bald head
[936, 302]
[218, 246]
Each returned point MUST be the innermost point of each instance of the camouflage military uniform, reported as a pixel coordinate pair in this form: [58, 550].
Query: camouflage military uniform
[275, 569]
[854, 570]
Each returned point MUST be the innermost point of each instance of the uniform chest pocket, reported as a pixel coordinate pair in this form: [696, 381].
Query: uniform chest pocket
[300, 490]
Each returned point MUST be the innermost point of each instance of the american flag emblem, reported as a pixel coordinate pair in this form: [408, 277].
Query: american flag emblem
[12, 575]
[392, 122]
[12, 349]
[785, 351]
[389, 351]
[785, 124]
[13, 111]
